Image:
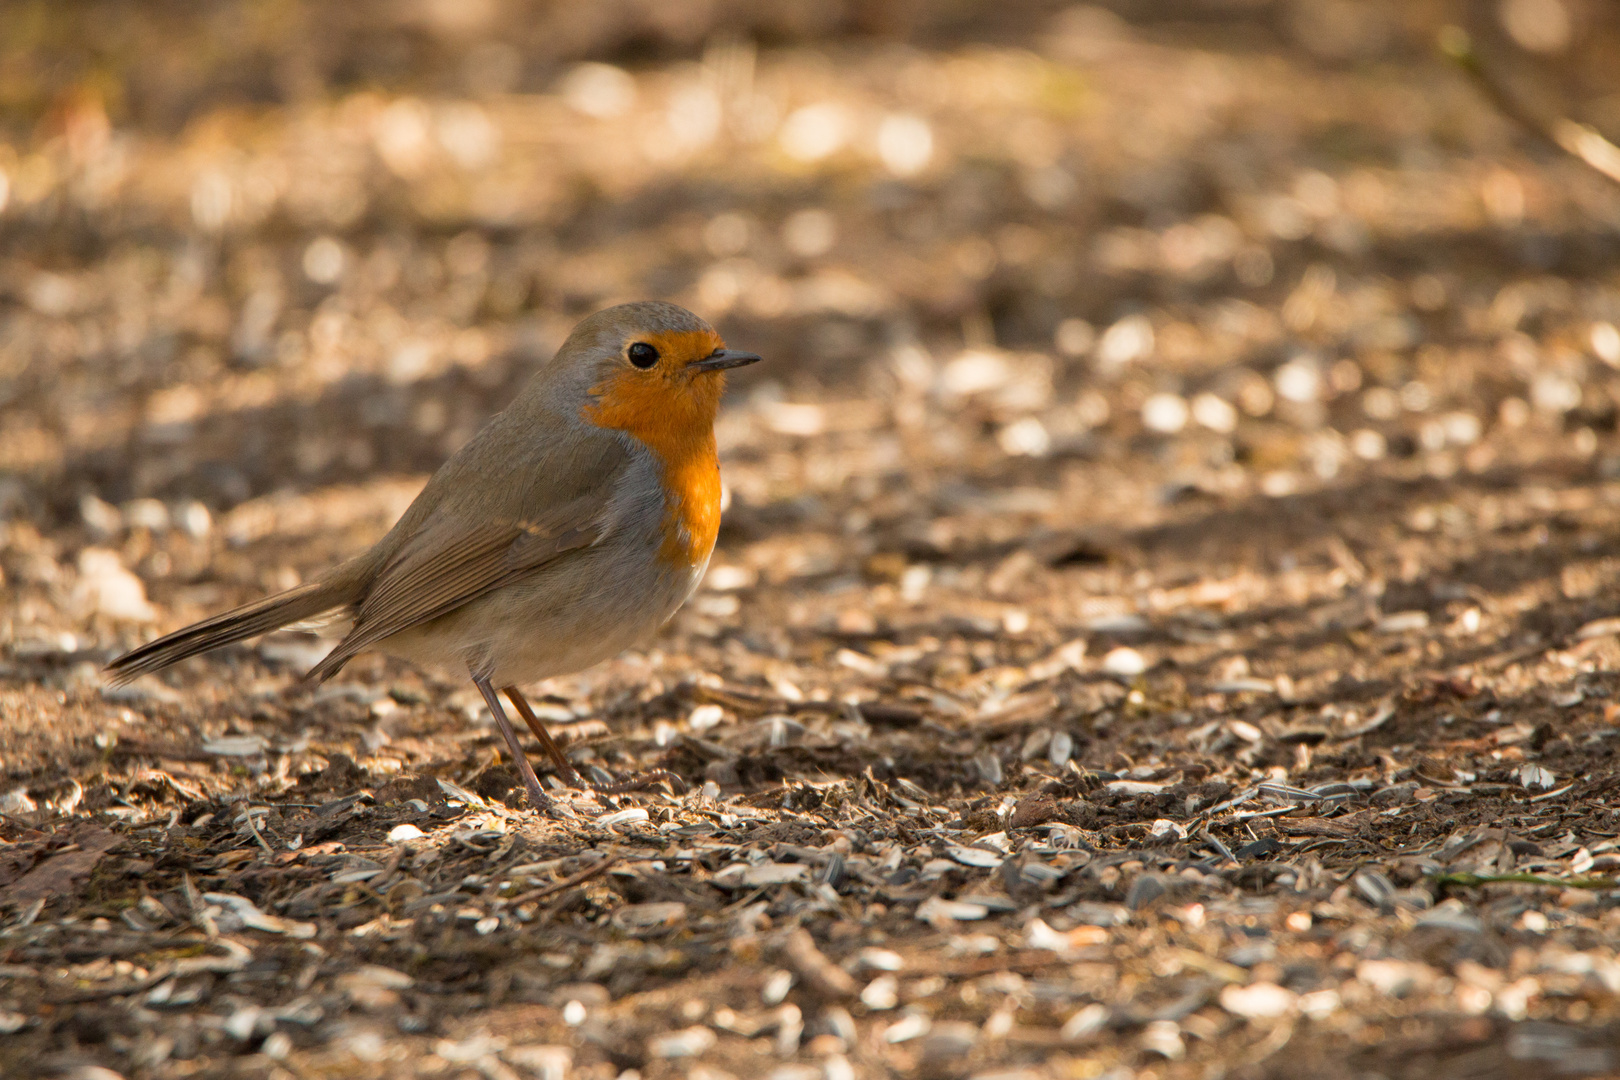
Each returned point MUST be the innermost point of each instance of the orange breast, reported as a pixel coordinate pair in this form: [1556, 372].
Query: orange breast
[672, 414]
[692, 507]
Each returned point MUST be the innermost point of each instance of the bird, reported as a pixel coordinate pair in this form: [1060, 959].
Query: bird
[569, 528]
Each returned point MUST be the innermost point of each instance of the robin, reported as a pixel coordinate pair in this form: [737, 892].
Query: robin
[570, 528]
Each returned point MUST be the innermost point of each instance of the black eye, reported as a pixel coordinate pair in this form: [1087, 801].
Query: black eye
[643, 355]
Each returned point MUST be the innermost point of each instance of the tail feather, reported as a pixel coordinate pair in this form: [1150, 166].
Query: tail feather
[273, 612]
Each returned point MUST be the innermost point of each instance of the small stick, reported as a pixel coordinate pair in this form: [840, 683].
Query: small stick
[253, 827]
[566, 883]
[199, 910]
[1581, 141]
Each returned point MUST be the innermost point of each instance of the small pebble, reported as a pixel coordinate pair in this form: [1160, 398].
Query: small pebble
[686, 1043]
[1089, 1021]
[1258, 1001]
[1125, 662]
[649, 916]
[1165, 413]
[704, 717]
[911, 1026]
[949, 1040]
[1403, 621]
[881, 960]
[882, 992]
[1163, 1037]
[937, 909]
[776, 988]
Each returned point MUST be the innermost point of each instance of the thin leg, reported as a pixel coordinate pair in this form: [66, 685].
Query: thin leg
[537, 796]
[565, 768]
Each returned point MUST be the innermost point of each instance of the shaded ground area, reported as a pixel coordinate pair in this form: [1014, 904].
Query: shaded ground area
[1163, 625]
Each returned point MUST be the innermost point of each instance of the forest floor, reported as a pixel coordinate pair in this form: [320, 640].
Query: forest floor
[1163, 626]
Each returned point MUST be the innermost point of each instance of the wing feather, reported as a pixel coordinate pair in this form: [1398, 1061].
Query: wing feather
[446, 565]
[529, 488]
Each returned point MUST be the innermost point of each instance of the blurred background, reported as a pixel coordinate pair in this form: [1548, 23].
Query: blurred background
[1026, 273]
[1162, 397]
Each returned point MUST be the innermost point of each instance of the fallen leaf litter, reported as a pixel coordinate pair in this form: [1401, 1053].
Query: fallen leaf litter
[1219, 673]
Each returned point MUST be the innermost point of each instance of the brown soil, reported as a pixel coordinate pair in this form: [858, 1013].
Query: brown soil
[1162, 625]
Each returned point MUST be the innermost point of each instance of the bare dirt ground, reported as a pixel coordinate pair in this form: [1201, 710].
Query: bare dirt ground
[1163, 622]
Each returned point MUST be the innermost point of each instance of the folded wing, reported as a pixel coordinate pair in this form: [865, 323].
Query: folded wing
[447, 564]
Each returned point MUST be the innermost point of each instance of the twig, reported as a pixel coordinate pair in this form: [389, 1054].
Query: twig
[159, 974]
[28, 917]
[253, 827]
[1581, 141]
[199, 910]
[1467, 880]
[1584, 141]
[566, 883]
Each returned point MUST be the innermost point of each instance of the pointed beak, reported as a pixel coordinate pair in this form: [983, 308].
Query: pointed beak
[721, 359]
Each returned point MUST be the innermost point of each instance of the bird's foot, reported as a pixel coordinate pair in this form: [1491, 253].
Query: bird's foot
[539, 800]
[637, 782]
